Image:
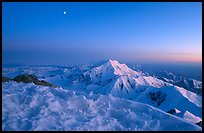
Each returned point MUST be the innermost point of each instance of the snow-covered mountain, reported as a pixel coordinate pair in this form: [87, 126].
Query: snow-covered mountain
[116, 78]
[111, 68]
[188, 83]
[120, 81]
[111, 78]
[26, 106]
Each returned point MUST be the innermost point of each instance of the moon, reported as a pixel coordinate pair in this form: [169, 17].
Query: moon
[65, 12]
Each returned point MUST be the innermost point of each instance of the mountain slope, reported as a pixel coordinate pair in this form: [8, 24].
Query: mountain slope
[190, 84]
[167, 98]
[26, 106]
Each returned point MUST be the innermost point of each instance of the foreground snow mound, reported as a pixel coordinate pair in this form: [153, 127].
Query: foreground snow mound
[26, 106]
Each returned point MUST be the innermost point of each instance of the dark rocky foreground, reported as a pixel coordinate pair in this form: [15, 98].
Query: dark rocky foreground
[28, 79]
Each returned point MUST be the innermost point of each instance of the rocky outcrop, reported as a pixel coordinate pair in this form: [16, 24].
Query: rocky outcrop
[6, 79]
[28, 79]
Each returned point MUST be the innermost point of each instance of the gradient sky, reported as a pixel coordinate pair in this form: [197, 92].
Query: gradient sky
[40, 33]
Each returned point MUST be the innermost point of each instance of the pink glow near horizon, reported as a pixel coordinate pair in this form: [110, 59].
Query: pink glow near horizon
[181, 58]
[171, 57]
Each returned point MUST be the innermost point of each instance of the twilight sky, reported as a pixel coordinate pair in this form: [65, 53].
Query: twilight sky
[40, 33]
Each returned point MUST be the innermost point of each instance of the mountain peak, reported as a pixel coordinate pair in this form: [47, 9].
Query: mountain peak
[110, 69]
[120, 69]
[113, 62]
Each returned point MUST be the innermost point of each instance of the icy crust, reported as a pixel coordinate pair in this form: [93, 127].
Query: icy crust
[31, 107]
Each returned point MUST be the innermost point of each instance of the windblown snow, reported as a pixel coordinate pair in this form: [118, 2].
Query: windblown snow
[30, 107]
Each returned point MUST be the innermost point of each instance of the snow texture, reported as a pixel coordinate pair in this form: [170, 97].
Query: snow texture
[31, 107]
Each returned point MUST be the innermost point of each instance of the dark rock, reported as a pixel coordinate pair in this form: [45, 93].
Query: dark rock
[6, 79]
[199, 123]
[87, 79]
[51, 75]
[25, 78]
[172, 111]
[32, 79]
[158, 97]
[121, 86]
[43, 83]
